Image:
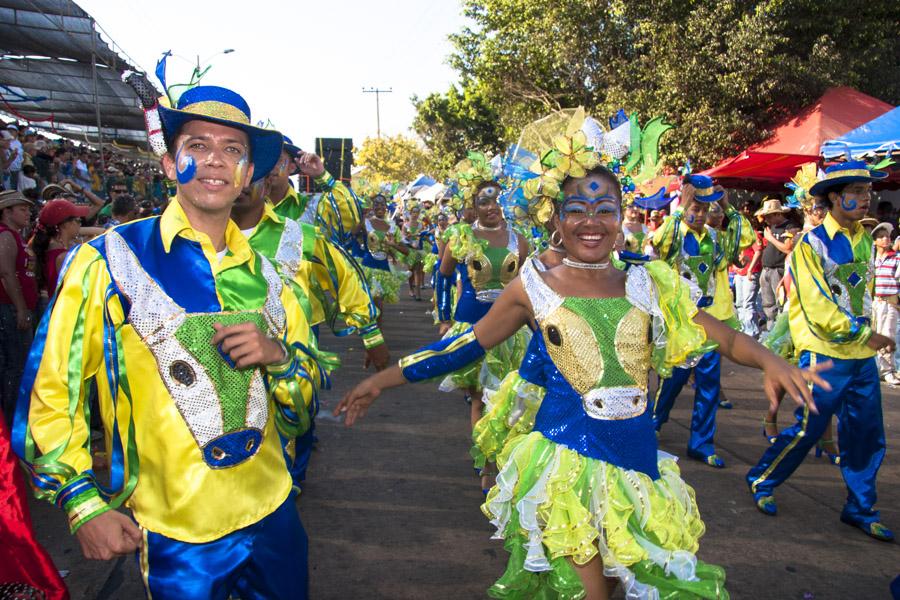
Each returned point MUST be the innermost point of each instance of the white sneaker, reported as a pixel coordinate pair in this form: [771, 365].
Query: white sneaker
[892, 379]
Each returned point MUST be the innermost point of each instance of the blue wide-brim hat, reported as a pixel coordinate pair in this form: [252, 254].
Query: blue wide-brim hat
[291, 148]
[703, 186]
[841, 173]
[224, 107]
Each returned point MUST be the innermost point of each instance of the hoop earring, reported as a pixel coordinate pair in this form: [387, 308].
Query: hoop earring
[553, 241]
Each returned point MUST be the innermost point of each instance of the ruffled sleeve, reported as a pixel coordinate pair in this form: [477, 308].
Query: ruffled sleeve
[678, 341]
[464, 245]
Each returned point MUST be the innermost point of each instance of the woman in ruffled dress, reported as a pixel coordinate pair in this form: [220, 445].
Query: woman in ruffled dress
[485, 257]
[586, 500]
[381, 241]
[413, 233]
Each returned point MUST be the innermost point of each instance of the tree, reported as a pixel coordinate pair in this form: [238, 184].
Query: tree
[453, 123]
[391, 159]
[724, 71]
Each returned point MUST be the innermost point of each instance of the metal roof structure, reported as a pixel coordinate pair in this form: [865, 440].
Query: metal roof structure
[58, 72]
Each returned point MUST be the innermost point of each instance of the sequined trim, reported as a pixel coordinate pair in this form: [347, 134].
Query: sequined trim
[218, 110]
[487, 295]
[156, 317]
[311, 210]
[615, 403]
[289, 255]
[543, 299]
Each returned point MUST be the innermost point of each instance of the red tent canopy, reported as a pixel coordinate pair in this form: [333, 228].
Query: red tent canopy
[769, 164]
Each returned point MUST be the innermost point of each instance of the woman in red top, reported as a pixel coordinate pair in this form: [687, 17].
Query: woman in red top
[59, 223]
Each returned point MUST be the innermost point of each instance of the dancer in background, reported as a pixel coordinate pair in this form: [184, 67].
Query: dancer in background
[830, 304]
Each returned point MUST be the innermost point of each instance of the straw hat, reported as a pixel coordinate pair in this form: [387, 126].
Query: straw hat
[771, 206]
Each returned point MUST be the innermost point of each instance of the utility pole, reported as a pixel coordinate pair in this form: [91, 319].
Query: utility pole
[377, 92]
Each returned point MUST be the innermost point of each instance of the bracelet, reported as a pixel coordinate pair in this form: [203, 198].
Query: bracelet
[284, 369]
[372, 341]
[325, 179]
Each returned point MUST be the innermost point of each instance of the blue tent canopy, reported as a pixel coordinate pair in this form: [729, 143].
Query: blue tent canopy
[880, 135]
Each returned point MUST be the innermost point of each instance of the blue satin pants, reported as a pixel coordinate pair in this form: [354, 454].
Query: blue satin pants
[855, 398]
[266, 560]
[706, 402]
[297, 458]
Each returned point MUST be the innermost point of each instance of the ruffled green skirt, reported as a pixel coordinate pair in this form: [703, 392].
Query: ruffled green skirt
[413, 258]
[385, 284]
[497, 362]
[509, 412]
[552, 505]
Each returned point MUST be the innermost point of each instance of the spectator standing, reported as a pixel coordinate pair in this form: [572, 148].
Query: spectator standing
[15, 156]
[779, 238]
[746, 286]
[884, 304]
[27, 178]
[18, 296]
[124, 209]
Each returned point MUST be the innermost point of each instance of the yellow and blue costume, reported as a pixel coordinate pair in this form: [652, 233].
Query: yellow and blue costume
[314, 266]
[702, 258]
[829, 306]
[124, 316]
[336, 211]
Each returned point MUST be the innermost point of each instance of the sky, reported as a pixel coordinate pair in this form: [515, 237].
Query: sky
[300, 64]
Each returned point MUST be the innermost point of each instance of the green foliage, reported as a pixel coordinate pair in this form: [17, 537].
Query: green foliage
[723, 72]
[391, 159]
[453, 123]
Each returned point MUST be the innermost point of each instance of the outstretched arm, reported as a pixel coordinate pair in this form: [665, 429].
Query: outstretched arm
[780, 376]
[507, 315]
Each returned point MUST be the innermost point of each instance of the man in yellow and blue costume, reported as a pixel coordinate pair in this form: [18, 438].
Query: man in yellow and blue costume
[336, 210]
[190, 336]
[313, 266]
[702, 256]
[830, 302]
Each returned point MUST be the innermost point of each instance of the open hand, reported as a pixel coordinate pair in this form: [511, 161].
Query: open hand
[310, 164]
[109, 535]
[356, 403]
[782, 378]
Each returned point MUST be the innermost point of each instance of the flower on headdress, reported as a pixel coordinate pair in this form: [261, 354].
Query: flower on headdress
[806, 177]
[471, 172]
[575, 157]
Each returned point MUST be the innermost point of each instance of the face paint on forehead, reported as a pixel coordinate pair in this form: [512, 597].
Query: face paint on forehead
[592, 191]
[185, 166]
[487, 194]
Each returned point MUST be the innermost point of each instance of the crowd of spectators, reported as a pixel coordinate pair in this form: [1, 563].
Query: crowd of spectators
[55, 194]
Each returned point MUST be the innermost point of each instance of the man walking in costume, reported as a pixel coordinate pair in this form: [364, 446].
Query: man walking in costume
[313, 266]
[190, 334]
[701, 255]
[830, 302]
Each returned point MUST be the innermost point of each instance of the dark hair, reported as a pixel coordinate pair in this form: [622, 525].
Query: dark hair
[39, 243]
[123, 205]
[29, 170]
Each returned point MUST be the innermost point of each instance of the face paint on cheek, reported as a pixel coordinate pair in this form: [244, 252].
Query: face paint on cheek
[848, 204]
[690, 219]
[185, 167]
[240, 168]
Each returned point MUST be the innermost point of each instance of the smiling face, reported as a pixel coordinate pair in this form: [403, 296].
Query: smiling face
[589, 217]
[851, 203]
[211, 165]
[487, 205]
[379, 206]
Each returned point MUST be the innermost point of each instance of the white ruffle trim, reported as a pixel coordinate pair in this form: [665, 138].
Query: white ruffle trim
[679, 563]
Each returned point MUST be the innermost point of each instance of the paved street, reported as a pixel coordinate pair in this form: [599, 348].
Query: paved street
[392, 505]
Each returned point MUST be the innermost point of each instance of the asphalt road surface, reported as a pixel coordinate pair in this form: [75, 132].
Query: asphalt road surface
[392, 505]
